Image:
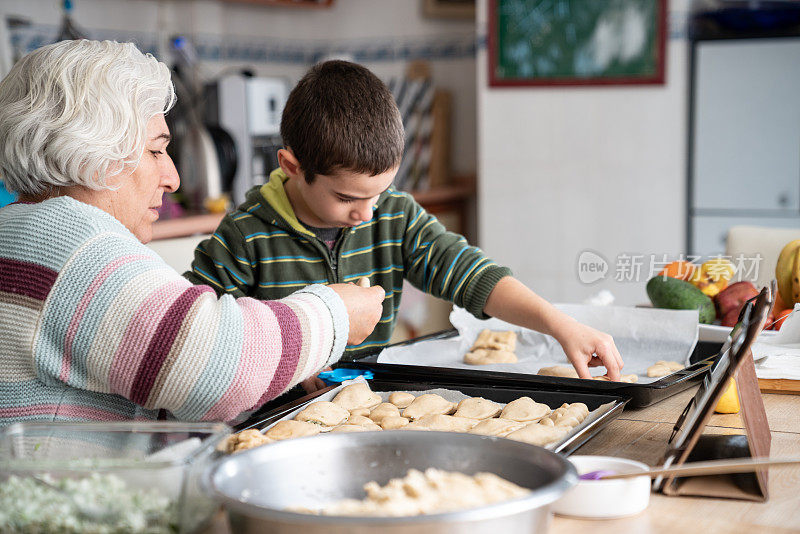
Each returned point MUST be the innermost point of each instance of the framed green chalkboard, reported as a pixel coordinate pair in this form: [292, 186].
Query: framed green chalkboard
[576, 42]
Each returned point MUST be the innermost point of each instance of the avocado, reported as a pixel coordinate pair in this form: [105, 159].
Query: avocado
[674, 294]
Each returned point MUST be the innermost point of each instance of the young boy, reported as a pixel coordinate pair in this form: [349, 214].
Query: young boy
[329, 215]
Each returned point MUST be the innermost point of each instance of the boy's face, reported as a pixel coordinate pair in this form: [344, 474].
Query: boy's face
[343, 200]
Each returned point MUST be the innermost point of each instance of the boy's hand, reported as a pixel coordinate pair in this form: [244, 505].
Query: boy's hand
[586, 347]
[363, 307]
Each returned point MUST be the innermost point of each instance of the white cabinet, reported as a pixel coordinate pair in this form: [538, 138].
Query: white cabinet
[745, 148]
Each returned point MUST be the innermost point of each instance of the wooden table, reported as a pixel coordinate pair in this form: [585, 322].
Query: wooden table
[642, 435]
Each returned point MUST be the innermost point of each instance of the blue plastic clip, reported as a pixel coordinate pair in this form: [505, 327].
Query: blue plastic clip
[337, 376]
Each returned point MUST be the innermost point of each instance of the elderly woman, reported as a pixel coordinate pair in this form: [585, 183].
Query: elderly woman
[94, 325]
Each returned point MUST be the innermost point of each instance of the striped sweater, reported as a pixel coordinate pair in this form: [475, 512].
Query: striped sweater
[95, 326]
[262, 250]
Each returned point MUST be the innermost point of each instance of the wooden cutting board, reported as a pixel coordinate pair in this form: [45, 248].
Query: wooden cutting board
[779, 385]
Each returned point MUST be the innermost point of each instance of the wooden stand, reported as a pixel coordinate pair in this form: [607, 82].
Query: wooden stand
[754, 443]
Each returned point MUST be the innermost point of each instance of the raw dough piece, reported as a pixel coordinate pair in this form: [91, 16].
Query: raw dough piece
[577, 410]
[442, 423]
[488, 339]
[563, 371]
[292, 429]
[393, 422]
[567, 421]
[489, 356]
[537, 434]
[431, 492]
[663, 368]
[401, 399]
[246, 439]
[364, 412]
[384, 409]
[477, 408]
[360, 420]
[428, 404]
[546, 421]
[496, 427]
[350, 428]
[622, 378]
[357, 396]
[524, 409]
[323, 413]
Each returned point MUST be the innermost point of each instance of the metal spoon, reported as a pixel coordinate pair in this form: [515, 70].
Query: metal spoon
[713, 467]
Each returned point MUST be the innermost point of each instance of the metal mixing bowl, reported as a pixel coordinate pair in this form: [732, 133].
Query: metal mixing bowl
[259, 485]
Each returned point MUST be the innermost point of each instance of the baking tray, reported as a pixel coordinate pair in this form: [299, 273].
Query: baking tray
[640, 395]
[496, 393]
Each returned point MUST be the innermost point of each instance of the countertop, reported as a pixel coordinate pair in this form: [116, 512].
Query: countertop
[642, 435]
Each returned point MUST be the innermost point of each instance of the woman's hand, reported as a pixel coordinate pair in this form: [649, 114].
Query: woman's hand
[310, 385]
[586, 347]
[363, 307]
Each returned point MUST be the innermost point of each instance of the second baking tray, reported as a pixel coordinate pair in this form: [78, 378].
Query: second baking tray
[640, 395]
[500, 394]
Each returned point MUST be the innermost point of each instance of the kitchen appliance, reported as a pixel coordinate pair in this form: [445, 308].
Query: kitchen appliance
[258, 485]
[249, 108]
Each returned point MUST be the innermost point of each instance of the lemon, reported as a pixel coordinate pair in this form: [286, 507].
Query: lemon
[729, 402]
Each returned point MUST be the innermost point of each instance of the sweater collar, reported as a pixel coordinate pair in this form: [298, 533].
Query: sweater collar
[274, 193]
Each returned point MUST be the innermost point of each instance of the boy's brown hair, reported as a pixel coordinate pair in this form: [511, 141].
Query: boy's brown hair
[341, 117]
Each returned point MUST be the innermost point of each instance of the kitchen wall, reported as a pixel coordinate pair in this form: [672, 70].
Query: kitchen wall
[282, 41]
[569, 169]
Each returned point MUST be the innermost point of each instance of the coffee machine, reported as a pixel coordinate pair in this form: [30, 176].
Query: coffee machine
[249, 108]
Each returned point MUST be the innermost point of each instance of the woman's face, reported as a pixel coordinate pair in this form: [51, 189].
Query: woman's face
[135, 203]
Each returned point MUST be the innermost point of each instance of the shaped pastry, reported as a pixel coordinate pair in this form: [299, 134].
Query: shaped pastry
[546, 421]
[524, 409]
[489, 356]
[401, 399]
[477, 408]
[351, 428]
[428, 404]
[357, 395]
[323, 413]
[360, 411]
[563, 371]
[393, 422]
[488, 339]
[623, 378]
[537, 434]
[246, 439]
[496, 427]
[362, 421]
[443, 423]
[384, 409]
[292, 429]
[663, 368]
[568, 421]
[577, 410]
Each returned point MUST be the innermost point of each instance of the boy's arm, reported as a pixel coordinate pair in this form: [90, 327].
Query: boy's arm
[444, 265]
[224, 261]
[515, 303]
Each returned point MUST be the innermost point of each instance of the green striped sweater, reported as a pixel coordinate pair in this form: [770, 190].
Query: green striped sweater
[261, 250]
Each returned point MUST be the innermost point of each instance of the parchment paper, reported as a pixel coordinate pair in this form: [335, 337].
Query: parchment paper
[642, 335]
[778, 356]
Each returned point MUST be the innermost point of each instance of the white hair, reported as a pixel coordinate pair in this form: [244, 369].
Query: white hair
[75, 113]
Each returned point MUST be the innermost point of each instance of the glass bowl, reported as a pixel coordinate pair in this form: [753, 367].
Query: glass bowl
[142, 476]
